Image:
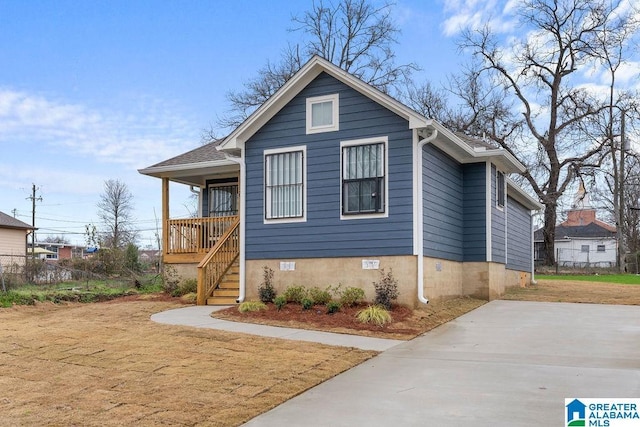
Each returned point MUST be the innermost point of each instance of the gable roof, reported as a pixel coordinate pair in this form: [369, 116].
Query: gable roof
[7, 221]
[465, 150]
[593, 230]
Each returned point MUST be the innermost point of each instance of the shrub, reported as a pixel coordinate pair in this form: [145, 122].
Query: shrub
[280, 301]
[386, 289]
[319, 296]
[306, 303]
[375, 314]
[333, 307]
[248, 306]
[189, 298]
[187, 286]
[266, 291]
[351, 296]
[295, 294]
[170, 279]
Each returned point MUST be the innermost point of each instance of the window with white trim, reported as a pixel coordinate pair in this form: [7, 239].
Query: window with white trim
[363, 178]
[601, 248]
[323, 114]
[284, 184]
[500, 186]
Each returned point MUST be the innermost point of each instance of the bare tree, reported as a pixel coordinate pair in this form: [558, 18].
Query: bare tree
[56, 239]
[540, 74]
[355, 35]
[115, 210]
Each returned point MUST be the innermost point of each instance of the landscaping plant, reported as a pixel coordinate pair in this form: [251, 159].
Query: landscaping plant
[375, 314]
[351, 296]
[266, 291]
[280, 301]
[295, 294]
[386, 289]
[248, 306]
[319, 296]
[333, 307]
[306, 303]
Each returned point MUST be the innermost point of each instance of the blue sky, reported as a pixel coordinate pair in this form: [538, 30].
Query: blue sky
[94, 90]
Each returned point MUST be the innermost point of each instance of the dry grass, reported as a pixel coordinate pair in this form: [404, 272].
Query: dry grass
[577, 291]
[108, 364]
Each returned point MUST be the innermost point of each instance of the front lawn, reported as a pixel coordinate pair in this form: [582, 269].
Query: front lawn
[623, 279]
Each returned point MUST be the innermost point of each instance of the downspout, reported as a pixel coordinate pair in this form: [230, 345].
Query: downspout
[533, 250]
[243, 198]
[420, 214]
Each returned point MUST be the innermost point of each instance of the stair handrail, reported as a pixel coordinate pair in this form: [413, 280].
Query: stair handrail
[217, 262]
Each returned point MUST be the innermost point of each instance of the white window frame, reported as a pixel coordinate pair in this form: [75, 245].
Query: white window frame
[266, 203]
[366, 141]
[500, 203]
[601, 248]
[335, 113]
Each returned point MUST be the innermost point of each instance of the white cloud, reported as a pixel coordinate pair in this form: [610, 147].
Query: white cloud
[475, 14]
[150, 131]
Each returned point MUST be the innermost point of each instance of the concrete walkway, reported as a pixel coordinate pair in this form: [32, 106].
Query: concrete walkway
[505, 363]
[199, 317]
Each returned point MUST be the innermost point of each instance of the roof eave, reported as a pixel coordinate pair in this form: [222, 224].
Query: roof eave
[172, 170]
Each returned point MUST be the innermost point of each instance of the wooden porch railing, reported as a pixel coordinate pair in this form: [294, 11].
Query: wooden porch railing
[218, 261]
[195, 235]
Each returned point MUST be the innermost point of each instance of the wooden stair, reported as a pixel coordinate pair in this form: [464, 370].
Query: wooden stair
[228, 291]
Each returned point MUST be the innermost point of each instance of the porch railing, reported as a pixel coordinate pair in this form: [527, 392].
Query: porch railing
[217, 262]
[195, 235]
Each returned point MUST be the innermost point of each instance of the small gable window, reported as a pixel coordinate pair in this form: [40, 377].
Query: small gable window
[364, 177]
[284, 184]
[500, 185]
[323, 114]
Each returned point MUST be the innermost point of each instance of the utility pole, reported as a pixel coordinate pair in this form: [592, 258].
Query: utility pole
[33, 199]
[14, 212]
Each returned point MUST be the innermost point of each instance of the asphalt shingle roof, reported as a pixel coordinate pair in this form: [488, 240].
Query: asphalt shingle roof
[7, 221]
[204, 153]
[591, 230]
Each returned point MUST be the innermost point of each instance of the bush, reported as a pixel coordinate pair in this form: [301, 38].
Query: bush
[375, 314]
[266, 291]
[187, 286]
[351, 296]
[306, 303]
[295, 294]
[386, 289]
[319, 296]
[170, 279]
[333, 307]
[248, 306]
[279, 302]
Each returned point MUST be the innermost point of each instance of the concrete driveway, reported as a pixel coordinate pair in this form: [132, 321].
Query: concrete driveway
[506, 363]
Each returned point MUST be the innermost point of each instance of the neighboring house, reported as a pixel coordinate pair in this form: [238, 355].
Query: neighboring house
[13, 240]
[330, 181]
[581, 240]
[58, 251]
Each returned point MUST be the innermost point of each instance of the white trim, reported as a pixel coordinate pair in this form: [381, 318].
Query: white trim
[242, 214]
[488, 205]
[271, 151]
[417, 197]
[365, 141]
[504, 189]
[335, 113]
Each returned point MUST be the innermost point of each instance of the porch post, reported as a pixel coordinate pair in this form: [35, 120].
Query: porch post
[165, 216]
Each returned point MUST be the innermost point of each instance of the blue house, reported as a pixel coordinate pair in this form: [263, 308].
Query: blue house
[330, 181]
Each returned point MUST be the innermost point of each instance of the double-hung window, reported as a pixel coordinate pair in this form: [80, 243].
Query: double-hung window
[364, 177]
[284, 184]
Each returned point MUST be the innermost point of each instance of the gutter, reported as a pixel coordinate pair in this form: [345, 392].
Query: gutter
[243, 198]
[420, 215]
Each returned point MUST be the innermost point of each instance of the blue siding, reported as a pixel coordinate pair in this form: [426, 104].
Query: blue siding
[475, 212]
[518, 236]
[498, 221]
[442, 194]
[324, 234]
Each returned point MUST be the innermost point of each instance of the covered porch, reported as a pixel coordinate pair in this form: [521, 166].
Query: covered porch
[207, 245]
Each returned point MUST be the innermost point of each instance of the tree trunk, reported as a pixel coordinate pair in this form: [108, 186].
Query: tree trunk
[549, 233]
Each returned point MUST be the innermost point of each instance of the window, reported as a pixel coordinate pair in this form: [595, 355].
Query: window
[223, 200]
[500, 189]
[284, 184]
[601, 248]
[584, 248]
[323, 114]
[363, 177]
